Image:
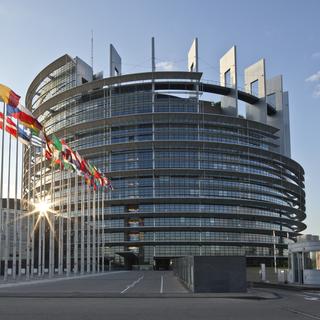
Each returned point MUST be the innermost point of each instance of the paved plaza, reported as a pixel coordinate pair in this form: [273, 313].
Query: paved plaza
[147, 295]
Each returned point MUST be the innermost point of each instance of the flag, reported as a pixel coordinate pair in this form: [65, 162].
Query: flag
[110, 186]
[87, 180]
[24, 116]
[37, 141]
[24, 135]
[66, 151]
[48, 153]
[56, 142]
[8, 96]
[96, 173]
[89, 168]
[84, 166]
[11, 127]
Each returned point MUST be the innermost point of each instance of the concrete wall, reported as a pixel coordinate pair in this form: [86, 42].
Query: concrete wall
[212, 274]
[228, 63]
[115, 62]
[83, 71]
[281, 119]
[220, 274]
[193, 62]
[256, 72]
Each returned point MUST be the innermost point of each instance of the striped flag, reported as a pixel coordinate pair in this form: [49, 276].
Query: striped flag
[24, 134]
[24, 116]
[11, 127]
[37, 141]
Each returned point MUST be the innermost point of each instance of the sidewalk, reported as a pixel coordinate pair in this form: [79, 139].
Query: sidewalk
[250, 295]
[285, 286]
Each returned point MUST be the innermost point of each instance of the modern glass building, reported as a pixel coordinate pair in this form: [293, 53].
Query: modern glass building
[190, 175]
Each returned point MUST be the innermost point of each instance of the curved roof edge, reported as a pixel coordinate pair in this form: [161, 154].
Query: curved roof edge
[56, 64]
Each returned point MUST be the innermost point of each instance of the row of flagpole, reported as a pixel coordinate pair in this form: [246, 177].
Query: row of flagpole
[51, 238]
[90, 229]
[89, 211]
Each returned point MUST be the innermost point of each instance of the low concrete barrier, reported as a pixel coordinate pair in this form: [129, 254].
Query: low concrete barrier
[212, 274]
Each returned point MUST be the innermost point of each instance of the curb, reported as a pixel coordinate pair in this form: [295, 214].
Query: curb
[288, 287]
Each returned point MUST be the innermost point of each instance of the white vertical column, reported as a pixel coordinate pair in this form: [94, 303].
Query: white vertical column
[193, 66]
[256, 74]
[228, 66]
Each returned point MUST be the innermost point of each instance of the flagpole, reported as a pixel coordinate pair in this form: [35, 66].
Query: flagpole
[68, 224]
[14, 249]
[28, 215]
[43, 218]
[21, 214]
[60, 249]
[76, 217]
[103, 230]
[40, 223]
[7, 216]
[94, 230]
[53, 200]
[1, 184]
[51, 226]
[88, 229]
[83, 191]
[33, 212]
[98, 227]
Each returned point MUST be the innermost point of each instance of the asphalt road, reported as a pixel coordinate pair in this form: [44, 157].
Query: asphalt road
[111, 284]
[146, 295]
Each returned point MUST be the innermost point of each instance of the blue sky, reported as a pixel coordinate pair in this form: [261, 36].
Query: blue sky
[285, 33]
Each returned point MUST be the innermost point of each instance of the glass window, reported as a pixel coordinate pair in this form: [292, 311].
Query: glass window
[254, 88]
[312, 260]
[227, 78]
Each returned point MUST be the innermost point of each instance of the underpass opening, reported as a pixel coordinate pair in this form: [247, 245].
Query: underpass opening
[130, 259]
[163, 263]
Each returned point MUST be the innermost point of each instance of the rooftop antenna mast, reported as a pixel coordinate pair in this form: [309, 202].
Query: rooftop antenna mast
[92, 49]
[153, 58]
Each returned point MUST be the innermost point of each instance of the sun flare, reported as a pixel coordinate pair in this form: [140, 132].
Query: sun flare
[43, 207]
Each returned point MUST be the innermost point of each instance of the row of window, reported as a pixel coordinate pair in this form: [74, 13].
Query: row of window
[192, 236]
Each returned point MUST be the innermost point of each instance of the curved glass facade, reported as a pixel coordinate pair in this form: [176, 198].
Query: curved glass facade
[187, 179]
